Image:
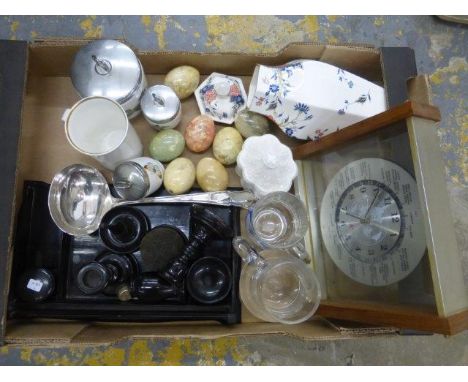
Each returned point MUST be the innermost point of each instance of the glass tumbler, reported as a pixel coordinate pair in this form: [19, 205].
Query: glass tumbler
[278, 220]
[276, 286]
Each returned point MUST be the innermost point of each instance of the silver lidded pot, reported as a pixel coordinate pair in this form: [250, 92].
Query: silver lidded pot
[110, 69]
[161, 107]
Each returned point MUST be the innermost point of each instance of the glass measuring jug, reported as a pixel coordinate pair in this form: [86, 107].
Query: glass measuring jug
[276, 286]
[278, 220]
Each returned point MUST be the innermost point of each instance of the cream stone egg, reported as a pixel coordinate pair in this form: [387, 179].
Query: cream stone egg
[179, 176]
[183, 80]
[227, 145]
[211, 175]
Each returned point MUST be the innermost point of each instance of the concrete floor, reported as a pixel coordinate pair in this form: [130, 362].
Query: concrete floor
[441, 51]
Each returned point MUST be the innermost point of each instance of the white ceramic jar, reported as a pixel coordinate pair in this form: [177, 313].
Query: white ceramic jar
[265, 165]
[110, 69]
[138, 178]
[161, 107]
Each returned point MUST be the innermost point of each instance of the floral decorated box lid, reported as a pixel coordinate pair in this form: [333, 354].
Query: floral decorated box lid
[221, 97]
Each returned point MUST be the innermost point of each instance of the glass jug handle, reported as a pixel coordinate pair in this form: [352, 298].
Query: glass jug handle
[300, 252]
[245, 251]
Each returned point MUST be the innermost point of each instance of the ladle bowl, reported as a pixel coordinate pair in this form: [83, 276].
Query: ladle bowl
[79, 197]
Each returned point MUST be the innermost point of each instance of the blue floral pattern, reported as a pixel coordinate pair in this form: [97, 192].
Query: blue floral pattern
[362, 99]
[289, 95]
[279, 87]
[209, 98]
[343, 78]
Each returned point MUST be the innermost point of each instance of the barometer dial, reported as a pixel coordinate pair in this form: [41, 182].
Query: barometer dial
[371, 222]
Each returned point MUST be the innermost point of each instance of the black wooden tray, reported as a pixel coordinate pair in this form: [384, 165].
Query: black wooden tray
[40, 243]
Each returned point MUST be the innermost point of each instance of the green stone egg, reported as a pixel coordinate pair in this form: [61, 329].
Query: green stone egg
[167, 145]
[251, 124]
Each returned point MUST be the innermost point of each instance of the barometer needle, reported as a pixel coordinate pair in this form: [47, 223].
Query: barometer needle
[353, 216]
[372, 203]
[383, 228]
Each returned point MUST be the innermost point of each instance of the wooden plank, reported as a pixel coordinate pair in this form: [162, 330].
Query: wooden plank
[420, 318]
[367, 126]
[458, 322]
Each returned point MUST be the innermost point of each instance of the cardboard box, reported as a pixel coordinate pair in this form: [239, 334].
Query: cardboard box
[35, 90]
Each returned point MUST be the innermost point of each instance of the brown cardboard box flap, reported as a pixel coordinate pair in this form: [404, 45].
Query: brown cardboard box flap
[44, 151]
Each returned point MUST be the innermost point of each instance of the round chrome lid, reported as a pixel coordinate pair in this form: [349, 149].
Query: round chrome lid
[106, 68]
[130, 180]
[160, 104]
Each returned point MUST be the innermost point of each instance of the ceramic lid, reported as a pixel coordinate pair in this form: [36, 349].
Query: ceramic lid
[266, 165]
[130, 181]
[160, 104]
[221, 97]
[106, 68]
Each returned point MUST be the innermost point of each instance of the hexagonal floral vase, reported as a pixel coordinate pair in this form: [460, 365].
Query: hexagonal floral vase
[309, 99]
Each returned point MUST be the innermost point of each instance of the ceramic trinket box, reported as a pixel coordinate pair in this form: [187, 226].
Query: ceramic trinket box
[221, 97]
[265, 165]
[309, 99]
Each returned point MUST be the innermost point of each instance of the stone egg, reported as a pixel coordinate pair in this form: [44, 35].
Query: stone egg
[227, 145]
[167, 145]
[251, 124]
[179, 176]
[183, 80]
[211, 175]
[199, 133]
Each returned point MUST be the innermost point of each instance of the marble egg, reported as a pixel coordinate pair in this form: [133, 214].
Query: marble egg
[183, 80]
[251, 124]
[167, 145]
[199, 133]
[227, 145]
[179, 176]
[211, 175]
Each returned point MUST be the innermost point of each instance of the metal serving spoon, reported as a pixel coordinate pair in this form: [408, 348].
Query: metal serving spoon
[79, 197]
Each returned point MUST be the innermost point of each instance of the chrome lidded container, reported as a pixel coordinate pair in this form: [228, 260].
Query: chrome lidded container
[138, 178]
[110, 69]
[161, 107]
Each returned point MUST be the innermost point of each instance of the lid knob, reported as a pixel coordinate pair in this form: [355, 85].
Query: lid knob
[102, 66]
[270, 160]
[222, 88]
[158, 100]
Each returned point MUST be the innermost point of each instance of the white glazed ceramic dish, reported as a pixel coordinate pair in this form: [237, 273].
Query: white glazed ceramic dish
[310, 99]
[265, 165]
[221, 97]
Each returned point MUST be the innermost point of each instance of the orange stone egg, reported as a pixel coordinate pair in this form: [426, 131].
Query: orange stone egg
[199, 133]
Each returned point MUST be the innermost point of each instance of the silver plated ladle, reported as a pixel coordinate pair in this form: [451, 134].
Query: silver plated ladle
[79, 197]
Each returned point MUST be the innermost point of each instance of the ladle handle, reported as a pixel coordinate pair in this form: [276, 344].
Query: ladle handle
[242, 199]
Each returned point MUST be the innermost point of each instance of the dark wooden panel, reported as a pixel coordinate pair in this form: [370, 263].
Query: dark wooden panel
[13, 62]
[398, 66]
